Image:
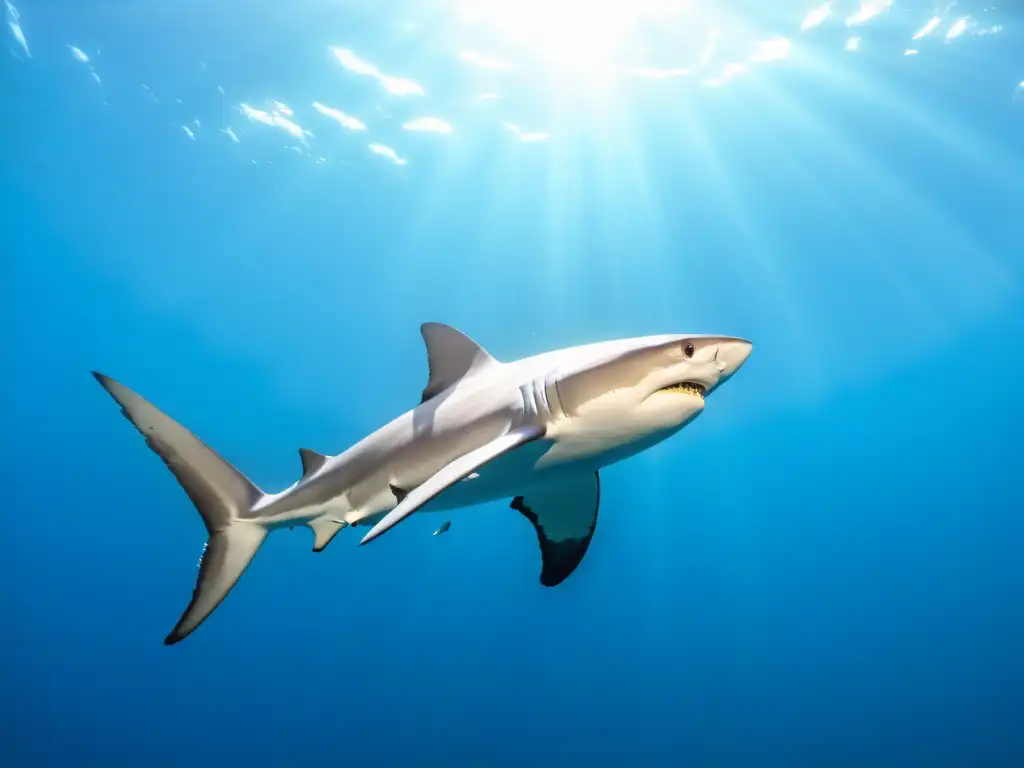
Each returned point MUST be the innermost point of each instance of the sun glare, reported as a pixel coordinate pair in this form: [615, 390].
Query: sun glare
[581, 36]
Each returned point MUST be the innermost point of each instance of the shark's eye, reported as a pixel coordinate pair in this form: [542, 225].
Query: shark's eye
[688, 350]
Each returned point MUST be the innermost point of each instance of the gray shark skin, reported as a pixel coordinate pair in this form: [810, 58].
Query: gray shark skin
[536, 431]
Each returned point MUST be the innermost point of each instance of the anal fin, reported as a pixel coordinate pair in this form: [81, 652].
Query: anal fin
[564, 515]
[325, 529]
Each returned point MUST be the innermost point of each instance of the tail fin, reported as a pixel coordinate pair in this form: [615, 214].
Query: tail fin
[220, 493]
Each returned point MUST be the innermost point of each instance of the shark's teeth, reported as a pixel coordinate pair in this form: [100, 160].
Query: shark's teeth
[686, 388]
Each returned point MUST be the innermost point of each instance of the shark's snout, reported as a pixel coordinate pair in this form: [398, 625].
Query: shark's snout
[731, 354]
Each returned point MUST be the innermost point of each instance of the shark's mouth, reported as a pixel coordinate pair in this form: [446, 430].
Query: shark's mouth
[686, 388]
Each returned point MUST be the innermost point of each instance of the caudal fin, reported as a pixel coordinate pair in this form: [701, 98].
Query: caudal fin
[220, 493]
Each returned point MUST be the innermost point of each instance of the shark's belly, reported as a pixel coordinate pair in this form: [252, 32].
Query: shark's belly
[532, 466]
[511, 475]
[475, 490]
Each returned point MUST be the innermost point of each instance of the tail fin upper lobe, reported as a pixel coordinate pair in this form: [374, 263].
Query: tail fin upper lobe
[220, 493]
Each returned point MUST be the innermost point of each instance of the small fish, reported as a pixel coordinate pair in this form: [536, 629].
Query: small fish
[444, 527]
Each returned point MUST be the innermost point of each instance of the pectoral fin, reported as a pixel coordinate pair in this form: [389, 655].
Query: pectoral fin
[450, 474]
[564, 516]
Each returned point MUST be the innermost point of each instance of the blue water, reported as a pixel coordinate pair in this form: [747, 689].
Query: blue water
[825, 569]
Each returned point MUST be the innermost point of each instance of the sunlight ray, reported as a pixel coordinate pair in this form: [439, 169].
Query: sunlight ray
[946, 291]
[765, 277]
[954, 135]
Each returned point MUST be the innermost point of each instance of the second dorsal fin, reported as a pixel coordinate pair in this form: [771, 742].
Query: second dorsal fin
[311, 461]
[451, 355]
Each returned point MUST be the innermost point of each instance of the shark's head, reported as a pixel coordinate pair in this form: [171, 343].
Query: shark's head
[624, 396]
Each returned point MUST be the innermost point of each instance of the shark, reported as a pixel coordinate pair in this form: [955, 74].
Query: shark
[537, 430]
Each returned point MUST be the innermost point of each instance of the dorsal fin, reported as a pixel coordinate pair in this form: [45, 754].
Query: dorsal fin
[451, 355]
[311, 461]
